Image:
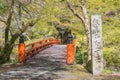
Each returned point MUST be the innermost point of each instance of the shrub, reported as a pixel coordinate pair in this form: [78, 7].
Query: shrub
[112, 57]
[81, 56]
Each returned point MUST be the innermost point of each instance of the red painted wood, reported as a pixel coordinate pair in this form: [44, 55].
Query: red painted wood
[34, 47]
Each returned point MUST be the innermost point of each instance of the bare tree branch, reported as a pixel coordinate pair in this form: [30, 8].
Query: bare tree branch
[85, 21]
[74, 11]
[2, 20]
[27, 11]
[8, 23]
[85, 14]
[28, 24]
[27, 37]
[83, 18]
[11, 31]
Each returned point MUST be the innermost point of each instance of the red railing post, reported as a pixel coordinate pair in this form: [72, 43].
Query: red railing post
[46, 42]
[71, 50]
[59, 41]
[21, 49]
[33, 47]
[70, 53]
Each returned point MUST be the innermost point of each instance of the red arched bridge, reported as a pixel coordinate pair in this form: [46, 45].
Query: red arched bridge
[39, 58]
[27, 51]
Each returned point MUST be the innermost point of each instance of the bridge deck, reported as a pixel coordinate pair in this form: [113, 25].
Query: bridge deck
[44, 62]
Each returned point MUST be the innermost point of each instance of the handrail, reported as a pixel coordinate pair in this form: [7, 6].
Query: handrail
[26, 51]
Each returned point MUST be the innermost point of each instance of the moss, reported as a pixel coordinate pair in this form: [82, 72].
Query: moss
[108, 71]
[77, 68]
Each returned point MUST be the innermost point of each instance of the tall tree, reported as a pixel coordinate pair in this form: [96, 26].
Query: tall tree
[83, 17]
[17, 17]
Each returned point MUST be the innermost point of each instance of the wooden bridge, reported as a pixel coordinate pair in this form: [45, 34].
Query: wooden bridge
[39, 58]
[27, 51]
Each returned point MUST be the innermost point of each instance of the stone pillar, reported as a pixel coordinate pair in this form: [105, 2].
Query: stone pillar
[97, 53]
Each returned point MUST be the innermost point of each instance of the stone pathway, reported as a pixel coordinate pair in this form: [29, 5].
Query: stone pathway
[42, 63]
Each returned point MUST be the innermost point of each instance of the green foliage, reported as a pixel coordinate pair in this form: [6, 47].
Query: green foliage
[107, 71]
[3, 7]
[15, 61]
[81, 58]
[108, 56]
[112, 57]
[111, 47]
[81, 53]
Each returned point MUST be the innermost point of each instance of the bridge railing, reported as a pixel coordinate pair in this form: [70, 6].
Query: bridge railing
[26, 51]
[71, 50]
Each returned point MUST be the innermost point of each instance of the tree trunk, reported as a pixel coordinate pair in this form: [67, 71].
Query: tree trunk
[11, 38]
[89, 43]
[89, 47]
[5, 56]
[88, 31]
[85, 21]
